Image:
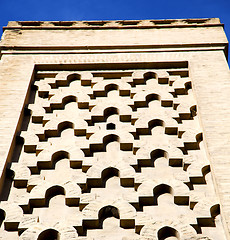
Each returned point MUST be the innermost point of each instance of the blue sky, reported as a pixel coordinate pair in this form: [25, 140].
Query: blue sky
[57, 10]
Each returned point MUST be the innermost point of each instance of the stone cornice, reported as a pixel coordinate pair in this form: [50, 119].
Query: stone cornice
[119, 24]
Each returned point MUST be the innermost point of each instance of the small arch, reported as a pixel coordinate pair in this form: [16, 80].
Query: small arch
[167, 232]
[101, 147]
[73, 77]
[65, 101]
[149, 75]
[66, 82]
[158, 153]
[215, 210]
[53, 191]
[160, 190]
[154, 123]
[111, 87]
[58, 156]
[69, 99]
[110, 111]
[109, 173]
[147, 131]
[193, 145]
[64, 125]
[152, 97]
[49, 234]
[205, 170]
[150, 162]
[106, 212]
[101, 182]
[201, 179]
[199, 137]
[110, 138]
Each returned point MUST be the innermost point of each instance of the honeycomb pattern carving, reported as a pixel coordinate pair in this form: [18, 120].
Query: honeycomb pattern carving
[113, 154]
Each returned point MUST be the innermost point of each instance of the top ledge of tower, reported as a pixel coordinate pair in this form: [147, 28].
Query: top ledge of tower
[168, 23]
[104, 36]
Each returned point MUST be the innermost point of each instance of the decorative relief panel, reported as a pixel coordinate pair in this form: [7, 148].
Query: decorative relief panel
[110, 154]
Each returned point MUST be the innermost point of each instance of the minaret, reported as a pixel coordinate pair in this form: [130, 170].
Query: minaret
[114, 130]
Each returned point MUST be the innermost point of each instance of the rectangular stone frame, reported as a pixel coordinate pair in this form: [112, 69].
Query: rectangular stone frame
[208, 70]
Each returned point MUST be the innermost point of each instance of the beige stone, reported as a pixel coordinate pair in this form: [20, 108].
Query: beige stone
[114, 130]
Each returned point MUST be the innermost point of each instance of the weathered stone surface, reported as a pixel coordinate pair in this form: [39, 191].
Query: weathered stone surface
[114, 130]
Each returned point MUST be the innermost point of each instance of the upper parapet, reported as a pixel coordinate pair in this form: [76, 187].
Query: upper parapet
[113, 24]
[176, 35]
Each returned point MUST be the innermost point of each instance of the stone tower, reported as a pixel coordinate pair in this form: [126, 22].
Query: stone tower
[115, 130]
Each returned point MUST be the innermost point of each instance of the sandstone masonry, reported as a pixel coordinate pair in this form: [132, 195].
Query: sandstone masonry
[114, 130]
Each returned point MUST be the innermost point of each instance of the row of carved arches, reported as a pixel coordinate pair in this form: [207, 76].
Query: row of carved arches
[155, 230]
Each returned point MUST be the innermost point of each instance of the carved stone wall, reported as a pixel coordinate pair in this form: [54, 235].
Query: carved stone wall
[110, 147]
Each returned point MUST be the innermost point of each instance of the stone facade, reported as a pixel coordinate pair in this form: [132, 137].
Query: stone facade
[115, 130]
